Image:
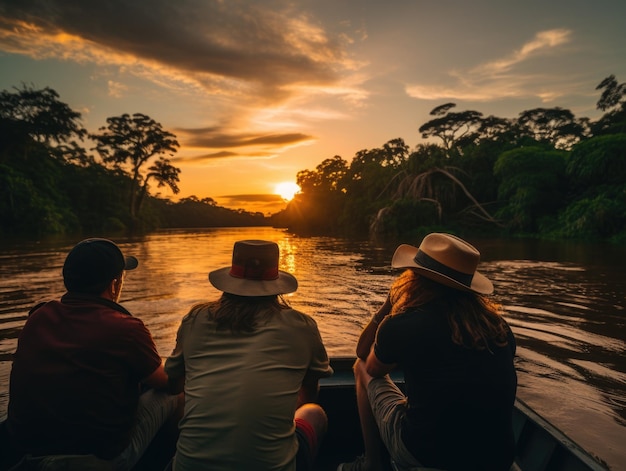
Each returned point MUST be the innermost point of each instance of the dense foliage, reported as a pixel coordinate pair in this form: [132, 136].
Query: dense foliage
[50, 183]
[544, 174]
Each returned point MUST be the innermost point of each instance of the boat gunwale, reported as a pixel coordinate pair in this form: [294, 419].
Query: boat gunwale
[527, 422]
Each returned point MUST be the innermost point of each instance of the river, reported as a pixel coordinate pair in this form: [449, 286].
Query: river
[566, 304]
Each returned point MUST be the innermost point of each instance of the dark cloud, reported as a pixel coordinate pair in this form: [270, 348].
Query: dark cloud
[204, 157]
[212, 138]
[259, 43]
[258, 198]
[263, 203]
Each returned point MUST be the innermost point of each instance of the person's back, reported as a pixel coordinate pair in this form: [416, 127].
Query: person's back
[459, 399]
[242, 389]
[244, 379]
[79, 365]
[74, 381]
[456, 351]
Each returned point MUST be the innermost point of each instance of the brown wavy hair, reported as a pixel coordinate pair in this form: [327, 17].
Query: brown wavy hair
[474, 319]
[243, 314]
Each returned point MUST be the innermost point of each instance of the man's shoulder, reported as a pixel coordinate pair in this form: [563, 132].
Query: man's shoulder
[37, 306]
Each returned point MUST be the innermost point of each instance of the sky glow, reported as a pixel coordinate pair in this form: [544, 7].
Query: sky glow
[256, 91]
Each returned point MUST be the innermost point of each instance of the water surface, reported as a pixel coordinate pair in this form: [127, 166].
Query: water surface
[565, 303]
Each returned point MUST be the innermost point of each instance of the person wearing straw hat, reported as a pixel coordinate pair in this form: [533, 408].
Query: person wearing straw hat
[250, 367]
[441, 329]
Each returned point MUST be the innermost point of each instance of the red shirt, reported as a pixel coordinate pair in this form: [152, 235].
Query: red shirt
[76, 376]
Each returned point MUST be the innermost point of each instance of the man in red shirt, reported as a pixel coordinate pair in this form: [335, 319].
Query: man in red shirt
[81, 364]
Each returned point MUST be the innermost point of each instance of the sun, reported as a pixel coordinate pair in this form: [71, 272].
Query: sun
[286, 190]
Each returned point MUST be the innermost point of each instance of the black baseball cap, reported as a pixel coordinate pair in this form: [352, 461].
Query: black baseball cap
[93, 263]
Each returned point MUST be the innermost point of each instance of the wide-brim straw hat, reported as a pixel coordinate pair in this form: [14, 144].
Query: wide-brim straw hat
[254, 271]
[445, 259]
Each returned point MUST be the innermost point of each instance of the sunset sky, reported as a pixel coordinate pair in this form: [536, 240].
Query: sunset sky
[256, 91]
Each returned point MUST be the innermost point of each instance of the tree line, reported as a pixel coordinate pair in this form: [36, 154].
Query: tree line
[51, 182]
[545, 173]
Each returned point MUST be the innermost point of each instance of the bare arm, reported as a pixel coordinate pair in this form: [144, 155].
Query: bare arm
[366, 340]
[377, 368]
[157, 379]
[160, 381]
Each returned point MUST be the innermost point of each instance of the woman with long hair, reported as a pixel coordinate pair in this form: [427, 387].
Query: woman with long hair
[250, 367]
[456, 351]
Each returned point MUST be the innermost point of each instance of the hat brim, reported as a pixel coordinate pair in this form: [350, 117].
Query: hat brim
[404, 257]
[130, 262]
[223, 281]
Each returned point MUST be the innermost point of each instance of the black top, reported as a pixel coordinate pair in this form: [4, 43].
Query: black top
[460, 400]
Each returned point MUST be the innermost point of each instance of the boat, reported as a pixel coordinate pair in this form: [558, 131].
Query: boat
[540, 446]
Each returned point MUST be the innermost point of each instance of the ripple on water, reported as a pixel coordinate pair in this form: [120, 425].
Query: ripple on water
[568, 316]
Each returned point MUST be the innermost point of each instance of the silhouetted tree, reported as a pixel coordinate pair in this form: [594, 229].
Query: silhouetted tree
[37, 137]
[613, 93]
[369, 182]
[555, 126]
[128, 143]
[318, 205]
[451, 127]
[328, 176]
[613, 102]
[31, 118]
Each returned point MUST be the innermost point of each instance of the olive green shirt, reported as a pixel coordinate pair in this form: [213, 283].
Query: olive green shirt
[241, 390]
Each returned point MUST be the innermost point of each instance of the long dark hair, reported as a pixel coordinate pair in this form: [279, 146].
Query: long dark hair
[243, 314]
[474, 319]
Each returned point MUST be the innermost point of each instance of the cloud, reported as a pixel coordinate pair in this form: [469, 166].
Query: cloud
[204, 157]
[542, 42]
[263, 203]
[250, 198]
[232, 144]
[226, 47]
[209, 138]
[253, 65]
[500, 78]
[116, 89]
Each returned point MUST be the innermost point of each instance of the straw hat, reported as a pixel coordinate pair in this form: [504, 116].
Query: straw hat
[445, 259]
[254, 271]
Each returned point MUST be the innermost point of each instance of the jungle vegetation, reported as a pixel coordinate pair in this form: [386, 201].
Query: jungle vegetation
[545, 173]
[52, 182]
